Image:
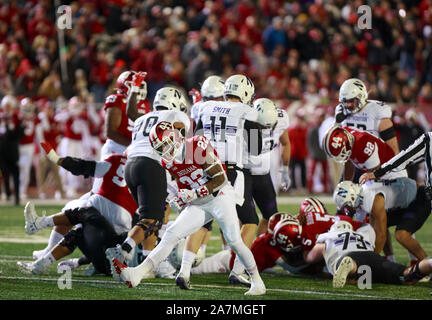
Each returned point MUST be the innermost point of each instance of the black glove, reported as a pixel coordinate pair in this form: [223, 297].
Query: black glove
[340, 114]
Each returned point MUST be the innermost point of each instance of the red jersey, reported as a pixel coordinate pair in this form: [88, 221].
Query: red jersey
[114, 186]
[368, 151]
[189, 173]
[265, 251]
[315, 223]
[29, 125]
[74, 126]
[118, 100]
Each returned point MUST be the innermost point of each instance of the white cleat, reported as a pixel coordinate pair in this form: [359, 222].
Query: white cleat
[165, 270]
[129, 275]
[115, 253]
[37, 254]
[30, 267]
[68, 264]
[32, 220]
[342, 272]
[242, 279]
[183, 282]
[257, 288]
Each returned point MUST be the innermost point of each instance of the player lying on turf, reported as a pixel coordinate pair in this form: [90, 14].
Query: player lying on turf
[204, 194]
[345, 251]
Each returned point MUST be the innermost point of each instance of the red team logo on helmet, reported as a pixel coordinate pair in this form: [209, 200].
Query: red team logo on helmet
[312, 205]
[287, 233]
[165, 140]
[274, 219]
[338, 144]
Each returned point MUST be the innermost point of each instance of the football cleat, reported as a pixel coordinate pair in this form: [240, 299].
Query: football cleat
[117, 253]
[342, 272]
[165, 270]
[183, 282]
[38, 254]
[33, 267]
[257, 288]
[32, 220]
[68, 264]
[119, 268]
[242, 279]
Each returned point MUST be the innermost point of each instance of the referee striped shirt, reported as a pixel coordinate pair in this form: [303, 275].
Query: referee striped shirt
[419, 151]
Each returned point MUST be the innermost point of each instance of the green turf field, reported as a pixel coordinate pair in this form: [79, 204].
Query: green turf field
[15, 245]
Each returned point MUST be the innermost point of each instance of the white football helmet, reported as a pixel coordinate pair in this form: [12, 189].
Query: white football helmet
[212, 88]
[10, 101]
[240, 86]
[341, 226]
[170, 98]
[347, 197]
[350, 89]
[267, 112]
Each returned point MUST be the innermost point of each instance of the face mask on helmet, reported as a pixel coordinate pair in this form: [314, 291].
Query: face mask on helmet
[166, 141]
[338, 144]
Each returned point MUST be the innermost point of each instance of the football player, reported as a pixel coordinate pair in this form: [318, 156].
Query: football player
[204, 194]
[345, 251]
[273, 132]
[383, 204]
[144, 175]
[118, 127]
[105, 215]
[231, 127]
[212, 89]
[357, 111]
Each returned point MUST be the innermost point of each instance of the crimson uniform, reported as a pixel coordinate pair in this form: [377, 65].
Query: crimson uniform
[114, 200]
[316, 223]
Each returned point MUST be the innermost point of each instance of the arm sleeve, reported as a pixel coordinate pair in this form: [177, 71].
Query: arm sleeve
[86, 168]
[412, 155]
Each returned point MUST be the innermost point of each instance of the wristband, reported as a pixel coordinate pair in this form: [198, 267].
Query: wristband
[53, 156]
[135, 89]
[202, 192]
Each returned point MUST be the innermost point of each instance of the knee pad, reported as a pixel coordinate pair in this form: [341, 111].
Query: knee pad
[71, 239]
[149, 226]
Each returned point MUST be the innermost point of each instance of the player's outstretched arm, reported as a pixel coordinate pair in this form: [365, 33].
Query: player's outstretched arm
[131, 104]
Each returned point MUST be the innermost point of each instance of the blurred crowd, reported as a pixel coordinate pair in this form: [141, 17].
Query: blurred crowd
[297, 53]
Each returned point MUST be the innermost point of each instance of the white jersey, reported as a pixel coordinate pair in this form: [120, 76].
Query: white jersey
[223, 124]
[140, 145]
[261, 164]
[398, 194]
[194, 111]
[340, 243]
[369, 117]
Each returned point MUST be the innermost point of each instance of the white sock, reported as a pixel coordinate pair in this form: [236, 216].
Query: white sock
[47, 222]
[204, 247]
[130, 242]
[187, 261]
[54, 239]
[238, 267]
[46, 260]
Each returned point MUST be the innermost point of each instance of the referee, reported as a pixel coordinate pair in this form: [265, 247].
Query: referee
[419, 151]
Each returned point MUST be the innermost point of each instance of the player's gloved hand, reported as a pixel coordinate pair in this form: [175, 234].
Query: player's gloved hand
[286, 181]
[196, 95]
[177, 204]
[50, 152]
[340, 114]
[139, 85]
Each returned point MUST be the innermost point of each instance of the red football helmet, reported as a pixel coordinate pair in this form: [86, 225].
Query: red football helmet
[124, 82]
[287, 233]
[312, 205]
[274, 219]
[338, 143]
[166, 140]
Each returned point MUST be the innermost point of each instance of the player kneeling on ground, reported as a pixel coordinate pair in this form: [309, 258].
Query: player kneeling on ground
[345, 251]
[204, 194]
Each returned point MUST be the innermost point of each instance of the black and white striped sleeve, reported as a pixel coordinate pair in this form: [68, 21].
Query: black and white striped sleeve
[416, 153]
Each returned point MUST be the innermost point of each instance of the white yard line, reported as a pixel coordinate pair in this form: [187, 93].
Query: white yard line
[309, 292]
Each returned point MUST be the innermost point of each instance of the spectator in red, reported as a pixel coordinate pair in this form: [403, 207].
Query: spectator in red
[298, 139]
